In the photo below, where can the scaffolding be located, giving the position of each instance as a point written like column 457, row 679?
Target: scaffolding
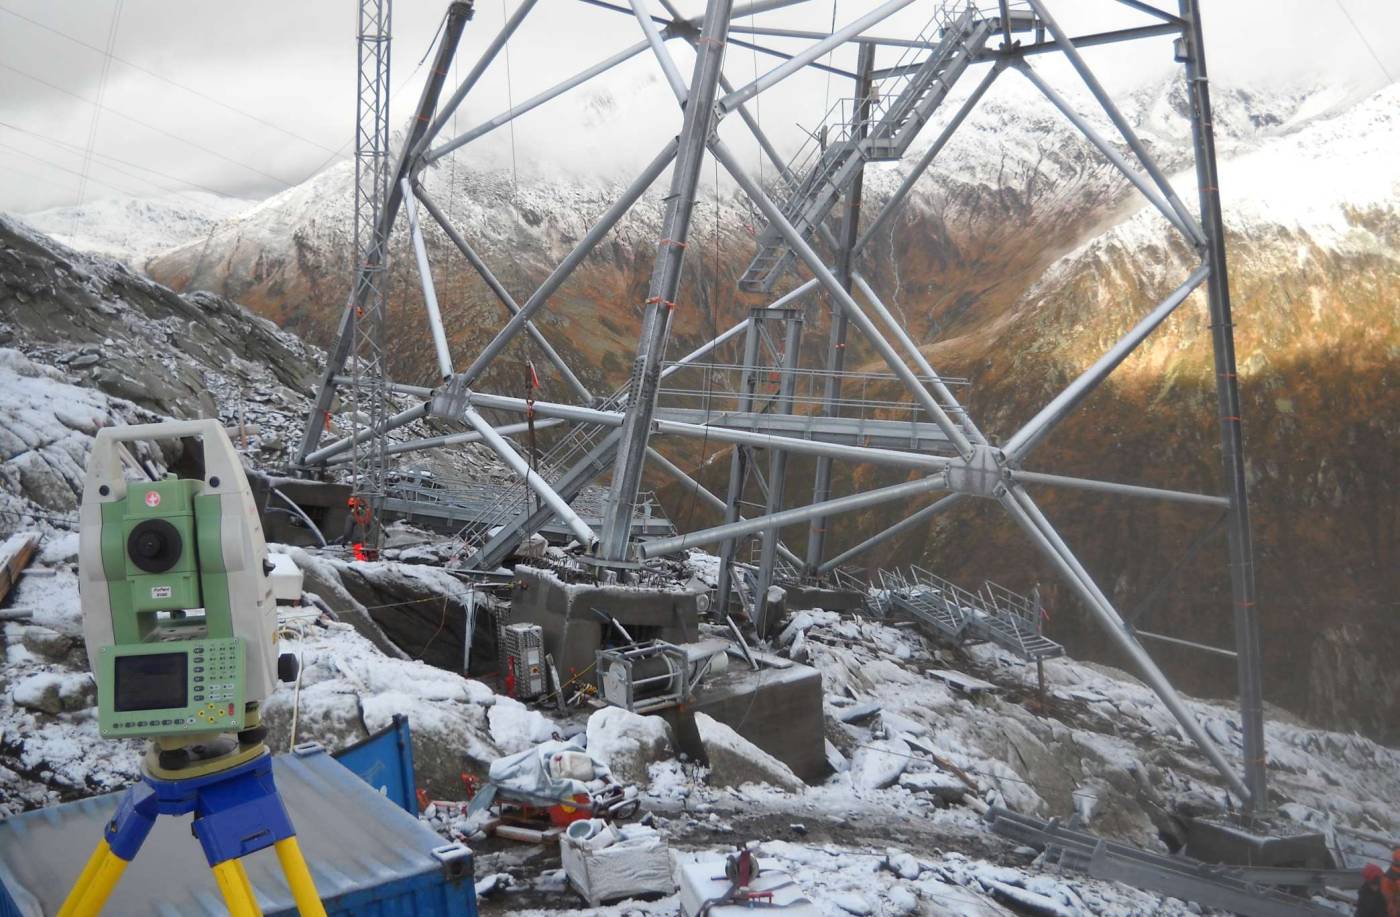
column 812, row 225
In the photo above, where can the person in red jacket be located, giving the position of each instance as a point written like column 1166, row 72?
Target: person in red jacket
column 1390, row 885
column 1370, row 901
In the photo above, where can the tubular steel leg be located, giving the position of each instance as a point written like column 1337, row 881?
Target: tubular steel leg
column 777, row 473
column 457, row 15
column 502, row 294
column 903, row 525
column 1228, row 401
column 1120, row 122
column 308, row 900
column 1112, row 155
column 556, row 279
column 738, row 465
column 1043, row 535
column 665, row 280
column 833, row 287
column 836, row 344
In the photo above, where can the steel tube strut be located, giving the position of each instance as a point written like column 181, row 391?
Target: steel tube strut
column 658, row 47
column 1127, row 490
column 704, row 348
column 836, row 337
column 665, row 280
column 1153, row 11
column 539, row 485
column 663, row 546
column 739, row 459
column 1113, row 156
column 903, row 525
column 891, row 457
column 503, row 295
column 926, row 160
column 506, row 117
column 1228, row 403
column 456, row 439
column 1124, row 128
column 699, row 490
column 916, row 356
column 812, row 52
column 566, row 267
column 487, row 56
column 425, row 277
column 1080, row 41
column 399, row 388
column 400, row 419
column 373, row 255
column 838, row 293
column 1035, row 429
column 1026, row 514
column 777, row 473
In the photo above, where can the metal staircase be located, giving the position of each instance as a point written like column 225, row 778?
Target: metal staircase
column 1013, row 622
column 500, row 527
column 874, row 129
column 996, row 615
column 942, row 605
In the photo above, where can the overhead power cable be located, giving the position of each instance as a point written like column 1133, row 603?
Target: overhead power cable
column 1362, row 35
column 75, row 148
column 165, row 79
column 54, row 165
column 151, row 127
column 97, row 112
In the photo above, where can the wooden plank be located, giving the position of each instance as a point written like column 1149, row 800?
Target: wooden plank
column 15, row 554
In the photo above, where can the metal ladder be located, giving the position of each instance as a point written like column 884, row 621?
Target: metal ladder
column 837, row 152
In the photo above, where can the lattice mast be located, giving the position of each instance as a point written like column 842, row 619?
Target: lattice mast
column 369, row 392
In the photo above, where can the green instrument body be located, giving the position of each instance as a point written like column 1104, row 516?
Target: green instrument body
column 176, row 666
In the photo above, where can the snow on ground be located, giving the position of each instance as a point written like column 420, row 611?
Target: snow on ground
column 897, row 830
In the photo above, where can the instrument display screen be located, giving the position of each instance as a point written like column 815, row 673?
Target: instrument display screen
column 157, row 681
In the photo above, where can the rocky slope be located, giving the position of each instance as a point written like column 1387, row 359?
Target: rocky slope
column 1310, row 193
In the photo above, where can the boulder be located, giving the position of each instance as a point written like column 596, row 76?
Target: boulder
column 47, row 644
column 735, row 760
column 879, row 764
column 628, row 743
column 54, row 693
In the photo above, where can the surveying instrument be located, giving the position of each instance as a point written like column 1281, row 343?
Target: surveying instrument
column 181, row 630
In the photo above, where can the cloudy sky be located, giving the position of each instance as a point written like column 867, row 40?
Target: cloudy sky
column 248, row 98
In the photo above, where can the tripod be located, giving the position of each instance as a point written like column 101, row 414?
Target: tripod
column 236, row 812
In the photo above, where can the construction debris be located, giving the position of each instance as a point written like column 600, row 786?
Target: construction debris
column 605, row 863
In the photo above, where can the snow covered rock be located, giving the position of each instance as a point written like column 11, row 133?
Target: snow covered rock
column 628, row 743
column 879, row 764
column 904, row 865
column 55, row 693
column 936, row 783
column 853, row 903
column 734, row 760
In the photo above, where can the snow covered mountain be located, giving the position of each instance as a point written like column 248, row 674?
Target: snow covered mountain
column 131, row 230
column 1309, row 183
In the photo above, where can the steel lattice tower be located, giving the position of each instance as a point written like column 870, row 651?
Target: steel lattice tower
column 368, row 392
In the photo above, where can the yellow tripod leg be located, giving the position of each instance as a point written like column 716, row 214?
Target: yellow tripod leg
column 237, row 891
column 104, row 868
column 80, row 885
column 304, row 892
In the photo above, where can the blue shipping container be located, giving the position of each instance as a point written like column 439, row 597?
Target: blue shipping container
column 367, row 855
column 385, row 762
